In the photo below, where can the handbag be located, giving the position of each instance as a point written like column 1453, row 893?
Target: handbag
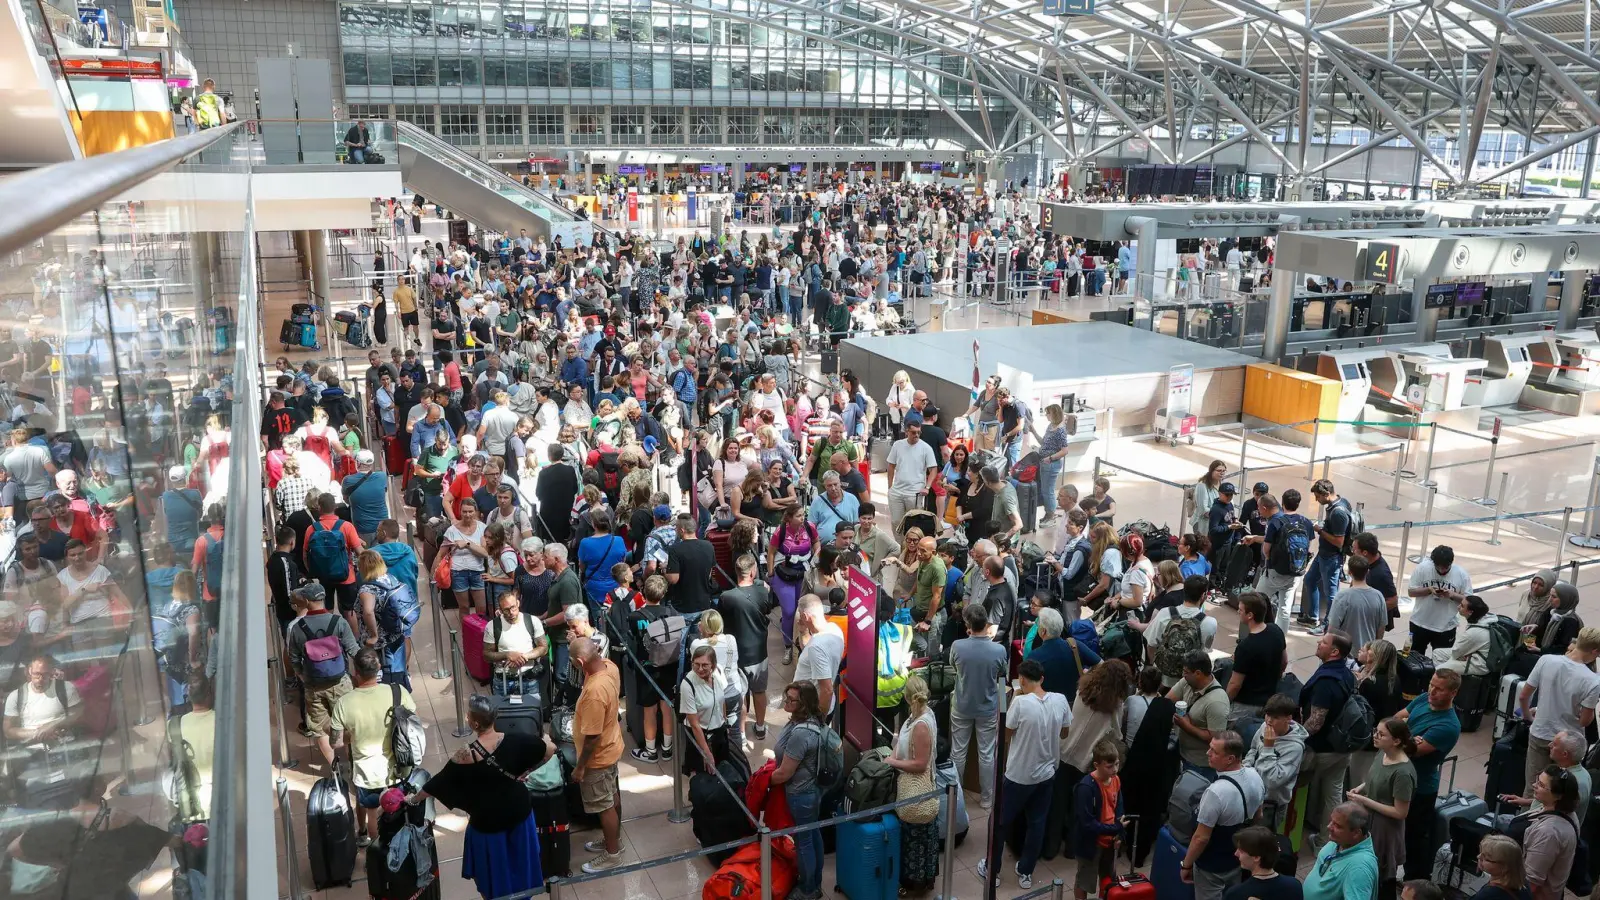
column 908, row 786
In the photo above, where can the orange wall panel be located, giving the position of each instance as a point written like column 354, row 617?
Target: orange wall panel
column 108, row 131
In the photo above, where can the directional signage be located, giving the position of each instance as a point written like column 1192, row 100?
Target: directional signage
column 1383, row 263
column 1069, row 7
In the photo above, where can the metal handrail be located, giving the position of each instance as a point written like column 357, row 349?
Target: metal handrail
column 41, row 200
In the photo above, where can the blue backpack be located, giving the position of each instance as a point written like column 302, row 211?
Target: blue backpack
column 397, row 610
column 327, row 557
column 1291, row 552
column 1084, row 632
column 214, row 564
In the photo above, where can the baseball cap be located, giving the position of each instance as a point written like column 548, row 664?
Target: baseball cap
column 177, row 473
column 1261, row 487
column 662, row 511
column 1227, row 488
column 315, row 593
column 365, row 458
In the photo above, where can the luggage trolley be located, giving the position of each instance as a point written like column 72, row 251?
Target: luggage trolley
column 1174, row 420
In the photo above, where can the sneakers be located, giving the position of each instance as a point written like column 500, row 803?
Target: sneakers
column 646, row 755
column 1318, row 631
column 761, row 732
column 788, row 656
column 983, row 873
column 599, row 846
column 1024, row 881
column 363, row 842
column 666, row 754
column 602, row 863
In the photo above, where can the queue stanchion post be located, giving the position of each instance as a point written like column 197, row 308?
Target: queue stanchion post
column 1494, row 531
column 1244, row 448
column 766, row 863
column 1405, row 546
column 1572, row 573
column 679, row 813
column 1327, row 464
column 947, row 868
column 275, row 673
column 1427, row 519
column 439, row 672
column 291, row 852
column 1566, row 531
column 1058, row 888
column 458, row 674
column 1427, row 459
column 1589, row 540
column 1489, row 499
column 1399, row 469
column 1311, row 460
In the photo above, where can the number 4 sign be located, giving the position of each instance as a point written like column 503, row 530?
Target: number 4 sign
column 1383, row 263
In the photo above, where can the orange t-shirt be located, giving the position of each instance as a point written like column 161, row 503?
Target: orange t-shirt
column 596, row 715
column 1108, row 807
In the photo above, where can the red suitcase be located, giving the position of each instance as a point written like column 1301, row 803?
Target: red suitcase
column 472, row 628
column 1131, row 886
column 94, row 689
column 722, row 551
column 396, row 456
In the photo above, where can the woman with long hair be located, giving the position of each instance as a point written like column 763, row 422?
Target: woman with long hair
column 1096, row 713
column 799, row 752
column 1052, row 459
column 1136, row 571
column 952, row 481
column 484, row 780
column 1192, row 551
column 728, row 473
column 793, row 546
column 1378, row 678
column 745, row 538
column 1105, row 565
column 1500, row 858
column 1387, row 792
column 975, row 505
column 752, row 493
column 913, row 757
column 500, row 566
column 1204, row 493
column 712, row 635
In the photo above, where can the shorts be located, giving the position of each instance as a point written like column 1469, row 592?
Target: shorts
column 410, row 319
column 466, row 581
column 320, row 702
column 367, row 798
column 599, row 789
column 663, row 678
column 756, row 677
column 344, row 595
column 1090, row 875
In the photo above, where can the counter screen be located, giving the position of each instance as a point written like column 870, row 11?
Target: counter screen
column 1470, row 293
column 1351, row 372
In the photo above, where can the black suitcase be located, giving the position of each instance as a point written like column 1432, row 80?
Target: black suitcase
column 1416, row 670
column 301, row 309
column 717, row 817
column 58, row 777
column 330, row 834
column 1507, row 764
column 383, row 884
column 1028, row 505
column 1475, row 696
column 550, row 811
column 289, row 334
column 519, row 715
column 830, row 362
column 575, row 811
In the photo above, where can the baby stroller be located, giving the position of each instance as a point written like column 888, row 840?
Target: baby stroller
column 921, row 519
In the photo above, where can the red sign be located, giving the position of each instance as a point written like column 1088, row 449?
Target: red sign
column 861, row 655
column 113, row 68
column 633, row 204
column 542, row 161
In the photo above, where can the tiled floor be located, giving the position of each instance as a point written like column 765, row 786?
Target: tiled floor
column 1538, row 482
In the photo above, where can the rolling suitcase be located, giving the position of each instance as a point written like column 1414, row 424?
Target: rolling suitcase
column 472, row 628
column 550, row 813
column 576, row 814
column 1507, row 763
column 519, row 715
column 1028, row 505
column 94, row 689
column 1164, row 866
column 308, row 336
column 289, row 334
column 1453, row 804
column 1505, row 704
column 1131, row 886
column 1416, row 670
column 868, row 866
column 402, row 883
column 58, row 778
column 330, row 834
column 717, row 816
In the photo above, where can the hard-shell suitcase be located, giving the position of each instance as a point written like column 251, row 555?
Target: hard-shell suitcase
column 58, row 777
column 1165, row 863
column 868, row 866
column 302, row 309
column 519, row 714
column 472, row 628
column 402, row 884
column 330, row 833
column 308, row 336
column 550, row 813
column 1505, row 704
column 1028, row 505
column 1416, row 670
column 1453, row 804
column 289, row 334
column 1507, row 763
column 944, row 775
column 94, row 689
column 1131, row 886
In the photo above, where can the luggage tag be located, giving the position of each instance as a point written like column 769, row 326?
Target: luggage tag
column 514, row 699
column 56, row 777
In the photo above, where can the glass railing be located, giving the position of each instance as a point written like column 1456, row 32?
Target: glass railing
column 288, row 142
column 132, row 641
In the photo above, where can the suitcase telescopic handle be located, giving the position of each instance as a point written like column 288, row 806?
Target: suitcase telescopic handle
column 1133, row 845
column 1455, row 763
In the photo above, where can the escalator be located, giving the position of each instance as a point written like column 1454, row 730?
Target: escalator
column 482, row 194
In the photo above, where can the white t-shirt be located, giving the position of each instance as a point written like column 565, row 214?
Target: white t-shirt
column 911, row 462
column 1038, row 719
column 821, row 658
column 515, row 638
column 1220, row 805
column 727, row 650
column 703, row 701
column 39, row 709
column 1564, row 687
column 1438, row 613
column 466, row 560
column 1138, row 575
column 99, row 605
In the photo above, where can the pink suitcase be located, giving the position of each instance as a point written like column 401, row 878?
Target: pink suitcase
column 472, row 628
column 94, row 688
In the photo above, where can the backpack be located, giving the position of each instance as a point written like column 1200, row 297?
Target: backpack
column 527, row 622
column 407, row 735
column 1181, row 636
column 872, row 783
column 1504, row 638
column 610, row 466
column 1357, row 525
column 1084, row 632
column 324, row 652
column 214, row 563
column 1291, row 552
column 397, row 610
column 830, row 758
column 327, row 557
column 1351, row 728
column 662, row 638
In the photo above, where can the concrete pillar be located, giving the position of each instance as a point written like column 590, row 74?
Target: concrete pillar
column 203, row 269
column 1145, row 260
column 1427, row 319
column 880, row 172
column 1571, row 299
column 1275, row 342
column 317, row 264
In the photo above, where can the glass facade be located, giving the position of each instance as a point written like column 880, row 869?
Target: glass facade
column 636, row 73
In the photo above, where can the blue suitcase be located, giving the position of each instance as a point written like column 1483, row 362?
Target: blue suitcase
column 1164, row 866
column 868, row 859
column 308, row 337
